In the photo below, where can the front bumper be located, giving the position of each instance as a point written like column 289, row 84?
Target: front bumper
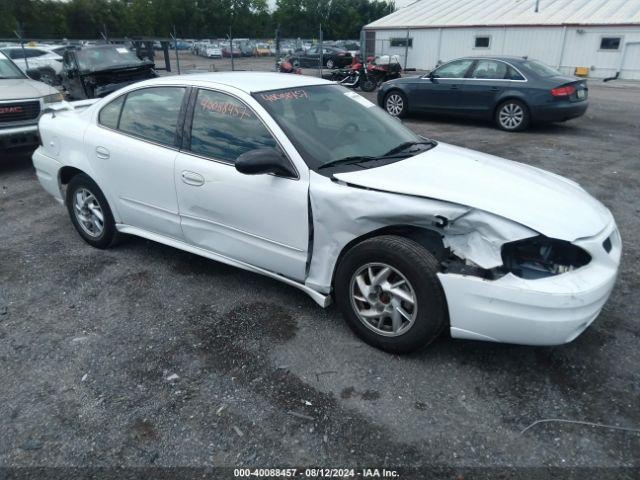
column 24, row 136
column 548, row 311
column 559, row 112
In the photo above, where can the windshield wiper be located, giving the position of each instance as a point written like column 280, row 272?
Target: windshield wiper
column 406, row 145
column 359, row 159
column 347, row 161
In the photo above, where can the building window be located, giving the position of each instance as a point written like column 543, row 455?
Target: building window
column 610, row 43
column 402, row 42
column 483, row 41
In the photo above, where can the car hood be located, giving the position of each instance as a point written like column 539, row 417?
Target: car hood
column 19, row 88
column 547, row 203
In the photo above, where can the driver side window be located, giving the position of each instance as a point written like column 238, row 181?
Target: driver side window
column 223, row 128
column 455, row 69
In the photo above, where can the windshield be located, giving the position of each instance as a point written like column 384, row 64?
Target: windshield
column 8, row 69
column 327, row 123
column 540, row 68
column 103, row 58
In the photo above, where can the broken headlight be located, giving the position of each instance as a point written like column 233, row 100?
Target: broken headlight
column 540, row 257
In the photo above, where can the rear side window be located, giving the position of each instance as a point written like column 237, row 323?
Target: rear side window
column 110, row 114
column 455, row 69
column 224, row 128
column 490, row 70
column 16, row 53
column 152, row 114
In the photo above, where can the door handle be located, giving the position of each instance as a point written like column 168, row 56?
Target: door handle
column 495, row 89
column 102, row 153
column 192, row 178
column 454, row 87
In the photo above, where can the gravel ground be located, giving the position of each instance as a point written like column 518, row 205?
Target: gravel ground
column 143, row 355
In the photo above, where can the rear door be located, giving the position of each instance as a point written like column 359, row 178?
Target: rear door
column 133, row 147
column 479, row 93
column 441, row 90
column 261, row 220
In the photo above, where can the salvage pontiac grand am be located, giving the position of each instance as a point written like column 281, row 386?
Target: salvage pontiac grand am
column 309, row 183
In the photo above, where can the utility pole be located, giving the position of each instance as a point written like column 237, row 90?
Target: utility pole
column 174, row 35
column 277, row 46
column 320, row 38
column 231, row 48
column 537, row 5
column 18, row 33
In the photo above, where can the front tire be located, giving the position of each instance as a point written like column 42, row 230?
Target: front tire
column 90, row 212
column 512, row 116
column 395, row 103
column 368, row 84
column 389, row 293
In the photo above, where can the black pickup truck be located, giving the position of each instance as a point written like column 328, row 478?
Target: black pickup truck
column 96, row 71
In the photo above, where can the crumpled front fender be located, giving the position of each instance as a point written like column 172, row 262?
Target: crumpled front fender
column 341, row 213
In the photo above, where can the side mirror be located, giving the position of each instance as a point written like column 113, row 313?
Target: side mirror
column 264, row 160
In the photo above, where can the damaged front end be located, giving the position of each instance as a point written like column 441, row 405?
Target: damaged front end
column 464, row 240
column 100, row 83
column 502, row 281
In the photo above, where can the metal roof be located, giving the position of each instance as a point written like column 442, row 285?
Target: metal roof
column 467, row 13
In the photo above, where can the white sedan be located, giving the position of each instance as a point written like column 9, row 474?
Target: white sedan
column 309, row 183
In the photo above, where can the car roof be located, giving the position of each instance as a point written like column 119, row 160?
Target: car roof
column 248, row 82
column 506, row 58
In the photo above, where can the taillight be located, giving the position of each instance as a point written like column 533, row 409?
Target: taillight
column 563, row 91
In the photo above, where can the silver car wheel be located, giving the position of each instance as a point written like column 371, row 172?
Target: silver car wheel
column 395, row 104
column 511, row 116
column 88, row 212
column 383, row 299
column 330, row 64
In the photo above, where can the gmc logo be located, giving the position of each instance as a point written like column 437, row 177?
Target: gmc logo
column 4, row 110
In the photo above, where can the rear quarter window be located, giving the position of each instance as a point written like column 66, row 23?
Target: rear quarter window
column 110, row 114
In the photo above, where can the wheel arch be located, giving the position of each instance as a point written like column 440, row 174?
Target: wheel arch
column 67, row 172
column 510, row 96
column 431, row 240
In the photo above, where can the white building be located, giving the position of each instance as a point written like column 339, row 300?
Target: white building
column 601, row 35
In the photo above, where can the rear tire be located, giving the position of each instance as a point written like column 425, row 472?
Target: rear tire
column 512, row 116
column 389, row 293
column 90, row 212
column 330, row 64
column 395, row 103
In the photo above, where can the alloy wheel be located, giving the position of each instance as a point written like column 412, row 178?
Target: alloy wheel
column 511, row 116
column 88, row 212
column 395, row 104
column 329, row 63
column 383, row 299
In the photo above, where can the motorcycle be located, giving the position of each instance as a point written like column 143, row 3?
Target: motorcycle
column 287, row 65
column 355, row 76
column 384, row 67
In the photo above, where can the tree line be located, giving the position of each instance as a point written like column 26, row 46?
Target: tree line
column 341, row 19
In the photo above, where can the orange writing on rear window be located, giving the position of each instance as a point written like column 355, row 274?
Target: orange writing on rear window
column 230, row 109
column 288, row 95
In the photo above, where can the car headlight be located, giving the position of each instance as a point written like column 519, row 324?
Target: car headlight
column 540, row 257
column 54, row 98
